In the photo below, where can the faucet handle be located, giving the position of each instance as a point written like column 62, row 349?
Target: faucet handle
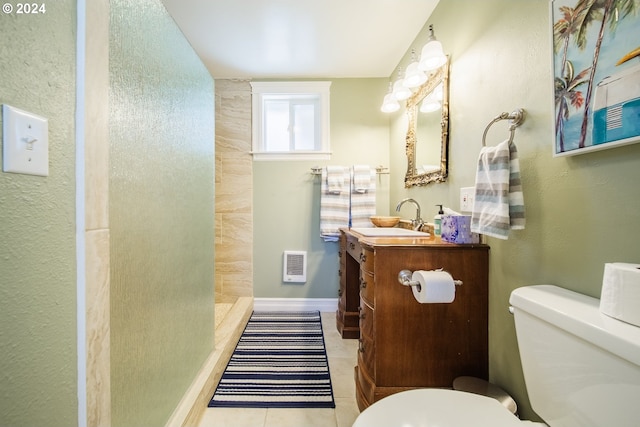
column 417, row 224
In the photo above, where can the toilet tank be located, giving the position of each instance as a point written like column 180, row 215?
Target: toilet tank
column 581, row 367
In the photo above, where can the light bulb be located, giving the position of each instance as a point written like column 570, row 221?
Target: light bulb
column 432, row 55
column 429, row 104
column 389, row 104
column 400, row 91
column 414, row 77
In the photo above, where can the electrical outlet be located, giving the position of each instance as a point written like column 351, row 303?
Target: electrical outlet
column 466, row 198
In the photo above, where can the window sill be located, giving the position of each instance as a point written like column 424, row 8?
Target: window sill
column 270, row 156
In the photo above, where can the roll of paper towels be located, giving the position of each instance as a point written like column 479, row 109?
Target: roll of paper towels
column 435, row 287
column 620, row 297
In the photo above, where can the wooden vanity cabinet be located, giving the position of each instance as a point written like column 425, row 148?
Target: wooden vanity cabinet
column 404, row 344
column 347, row 316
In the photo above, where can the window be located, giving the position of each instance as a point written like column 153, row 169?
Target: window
column 290, row 120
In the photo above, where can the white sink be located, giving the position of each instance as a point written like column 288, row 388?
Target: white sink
column 389, row 232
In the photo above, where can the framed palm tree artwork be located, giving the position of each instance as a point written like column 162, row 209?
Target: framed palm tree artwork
column 596, row 60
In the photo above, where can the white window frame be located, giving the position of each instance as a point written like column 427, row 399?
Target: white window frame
column 294, row 89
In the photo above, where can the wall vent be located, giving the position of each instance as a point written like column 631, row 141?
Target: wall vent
column 295, row 267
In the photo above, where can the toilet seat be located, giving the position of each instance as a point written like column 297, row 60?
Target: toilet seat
column 430, row 407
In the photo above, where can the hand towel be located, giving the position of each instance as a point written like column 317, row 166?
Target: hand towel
column 499, row 202
column 363, row 201
column 334, row 205
column 337, row 181
column 361, row 178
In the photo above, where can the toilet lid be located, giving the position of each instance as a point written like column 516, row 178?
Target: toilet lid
column 429, row 407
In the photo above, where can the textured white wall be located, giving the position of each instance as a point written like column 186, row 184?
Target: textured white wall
column 37, row 243
column 161, row 204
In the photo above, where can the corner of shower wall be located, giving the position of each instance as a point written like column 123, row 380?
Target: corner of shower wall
column 228, row 333
column 234, row 192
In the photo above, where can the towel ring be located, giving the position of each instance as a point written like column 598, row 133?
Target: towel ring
column 516, row 118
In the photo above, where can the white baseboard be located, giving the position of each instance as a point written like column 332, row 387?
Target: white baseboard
column 295, row 304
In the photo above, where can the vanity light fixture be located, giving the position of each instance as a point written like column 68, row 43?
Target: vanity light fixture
column 400, row 91
column 414, row 76
column 390, row 103
column 432, row 58
column 432, row 55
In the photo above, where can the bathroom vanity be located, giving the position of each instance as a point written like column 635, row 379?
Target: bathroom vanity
column 404, row 344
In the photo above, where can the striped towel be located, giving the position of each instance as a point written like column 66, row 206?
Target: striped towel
column 499, row 203
column 334, row 203
column 362, row 178
column 363, row 196
column 337, row 180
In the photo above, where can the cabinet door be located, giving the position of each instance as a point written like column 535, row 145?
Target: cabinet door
column 429, row 345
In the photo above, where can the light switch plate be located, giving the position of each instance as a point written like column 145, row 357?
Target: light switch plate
column 25, row 142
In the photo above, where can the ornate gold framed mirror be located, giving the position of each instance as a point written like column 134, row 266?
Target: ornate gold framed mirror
column 427, row 141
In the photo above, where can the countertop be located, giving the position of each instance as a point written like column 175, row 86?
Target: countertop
column 431, row 240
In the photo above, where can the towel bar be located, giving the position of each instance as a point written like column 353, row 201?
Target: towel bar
column 380, row 170
column 516, row 118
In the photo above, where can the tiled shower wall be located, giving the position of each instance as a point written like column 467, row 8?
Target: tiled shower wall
column 234, row 191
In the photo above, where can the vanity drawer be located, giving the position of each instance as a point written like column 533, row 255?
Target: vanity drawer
column 353, row 247
column 367, row 355
column 366, row 320
column 367, row 259
column 367, row 287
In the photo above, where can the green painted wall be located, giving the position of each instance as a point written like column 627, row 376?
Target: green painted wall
column 161, row 213
column 37, row 227
column 287, row 197
column 582, row 211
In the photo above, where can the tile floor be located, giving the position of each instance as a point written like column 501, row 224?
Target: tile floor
column 342, row 358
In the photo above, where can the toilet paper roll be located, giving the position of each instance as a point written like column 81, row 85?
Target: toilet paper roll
column 620, row 296
column 435, row 287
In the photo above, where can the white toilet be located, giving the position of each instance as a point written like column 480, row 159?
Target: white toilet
column 581, row 369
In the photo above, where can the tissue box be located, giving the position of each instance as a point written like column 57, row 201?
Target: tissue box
column 620, row 297
column 457, row 229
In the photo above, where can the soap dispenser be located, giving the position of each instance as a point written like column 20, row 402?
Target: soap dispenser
column 437, row 221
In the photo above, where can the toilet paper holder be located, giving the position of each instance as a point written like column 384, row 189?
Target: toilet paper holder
column 404, row 277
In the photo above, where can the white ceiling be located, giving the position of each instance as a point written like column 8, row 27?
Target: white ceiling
column 300, row 38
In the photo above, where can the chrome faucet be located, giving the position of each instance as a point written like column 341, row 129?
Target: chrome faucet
column 416, row 223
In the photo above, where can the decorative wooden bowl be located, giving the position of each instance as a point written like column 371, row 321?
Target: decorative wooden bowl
column 385, row 221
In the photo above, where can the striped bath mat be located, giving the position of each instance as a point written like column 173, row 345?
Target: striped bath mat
column 279, row 362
